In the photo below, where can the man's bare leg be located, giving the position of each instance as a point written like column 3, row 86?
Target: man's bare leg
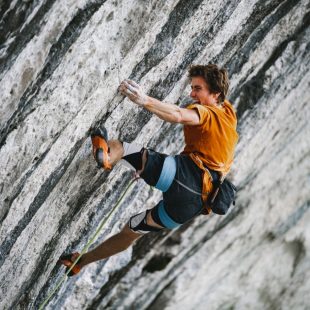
column 122, row 240
column 115, row 244
column 117, row 152
column 111, row 246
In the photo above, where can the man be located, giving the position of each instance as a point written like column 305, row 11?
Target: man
column 185, row 179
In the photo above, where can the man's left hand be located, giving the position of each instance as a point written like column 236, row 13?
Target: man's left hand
column 133, row 91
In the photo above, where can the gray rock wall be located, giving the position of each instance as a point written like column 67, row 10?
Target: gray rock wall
column 60, row 65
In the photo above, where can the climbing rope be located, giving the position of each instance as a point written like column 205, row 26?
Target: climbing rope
column 89, row 243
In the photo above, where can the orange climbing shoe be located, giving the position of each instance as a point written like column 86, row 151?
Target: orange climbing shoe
column 99, row 138
column 68, row 261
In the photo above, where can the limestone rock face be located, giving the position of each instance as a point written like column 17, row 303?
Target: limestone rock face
column 60, row 65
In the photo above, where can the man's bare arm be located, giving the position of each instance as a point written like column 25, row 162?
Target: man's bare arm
column 166, row 111
column 171, row 113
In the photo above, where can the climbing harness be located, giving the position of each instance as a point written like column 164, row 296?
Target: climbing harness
column 89, row 243
column 165, row 218
column 167, row 174
column 188, row 188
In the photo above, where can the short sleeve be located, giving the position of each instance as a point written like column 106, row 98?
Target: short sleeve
column 203, row 112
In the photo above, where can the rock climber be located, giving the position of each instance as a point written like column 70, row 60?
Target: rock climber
column 186, row 179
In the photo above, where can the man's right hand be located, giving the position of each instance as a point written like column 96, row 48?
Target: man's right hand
column 133, row 91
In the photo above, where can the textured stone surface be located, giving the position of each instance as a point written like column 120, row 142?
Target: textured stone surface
column 60, row 65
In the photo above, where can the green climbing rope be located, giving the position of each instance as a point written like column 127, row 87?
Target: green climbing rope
column 89, row 243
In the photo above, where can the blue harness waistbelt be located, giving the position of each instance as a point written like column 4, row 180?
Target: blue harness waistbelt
column 167, row 174
column 164, row 217
column 164, row 182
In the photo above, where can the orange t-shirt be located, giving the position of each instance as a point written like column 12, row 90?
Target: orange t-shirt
column 215, row 138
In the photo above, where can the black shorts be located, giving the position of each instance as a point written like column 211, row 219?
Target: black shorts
column 179, row 204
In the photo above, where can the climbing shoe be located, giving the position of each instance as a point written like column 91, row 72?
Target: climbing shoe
column 99, row 138
column 68, row 261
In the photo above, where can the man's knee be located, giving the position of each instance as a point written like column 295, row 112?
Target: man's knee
column 133, row 155
column 143, row 223
column 150, row 221
column 128, row 233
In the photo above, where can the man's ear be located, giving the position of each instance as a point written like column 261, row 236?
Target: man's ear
column 216, row 96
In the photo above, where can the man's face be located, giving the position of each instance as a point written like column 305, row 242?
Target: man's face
column 200, row 92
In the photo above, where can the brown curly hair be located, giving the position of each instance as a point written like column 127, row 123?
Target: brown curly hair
column 215, row 77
